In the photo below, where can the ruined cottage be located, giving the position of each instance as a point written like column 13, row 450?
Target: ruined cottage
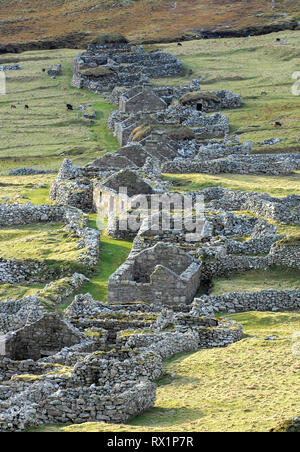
column 163, row 275
column 111, row 61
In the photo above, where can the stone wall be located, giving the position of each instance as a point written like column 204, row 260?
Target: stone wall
column 283, row 210
column 273, row 165
column 20, row 214
column 103, row 67
column 144, row 278
column 265, row 300
column 46, row 335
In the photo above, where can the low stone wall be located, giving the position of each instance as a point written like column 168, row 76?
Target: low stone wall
column 15, row 271
column 75, row 193
column 29, row 172
column 274, row 165
column 111, row 368
column 284, row 210
column 164, row 344
column 224, row 334
column 76, row 222
column 265, row 300
column 19, row 214
column 48, row 403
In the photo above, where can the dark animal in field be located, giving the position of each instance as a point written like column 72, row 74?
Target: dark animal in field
column 179, row 44
column 190, row 72
column 277, row 124
column 13, row 106
column 26, row 107
column 278, row 39
column 69, row 107
column 44, row 70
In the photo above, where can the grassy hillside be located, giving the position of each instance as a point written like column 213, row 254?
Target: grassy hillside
column 46, row 133
column 33, row 20
column 250, row 67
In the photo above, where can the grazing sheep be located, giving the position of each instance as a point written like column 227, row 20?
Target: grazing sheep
column 69, row 107
column 277, row 124
column 179, row 44
column 13, row 106
column 26, row 107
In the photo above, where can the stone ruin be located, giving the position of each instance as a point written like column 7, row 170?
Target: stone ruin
column 44, row 337
column 111, row 357
column 110, row 62
column 164, row 274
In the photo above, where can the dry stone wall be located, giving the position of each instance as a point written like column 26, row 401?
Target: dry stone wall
column 265, row 300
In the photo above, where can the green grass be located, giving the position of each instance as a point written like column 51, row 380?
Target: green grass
column 40, row 241
column 249, row 386
column 112, row 254
column 38, row 137
column 47, row 243
column 255, row 280
column 278, row 186
column 249, row 66
column 22, row 189
column 290, row 240
column 17, row 292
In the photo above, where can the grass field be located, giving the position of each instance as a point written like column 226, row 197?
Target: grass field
column 112, row 254
column 278, row 186
column 22, row 189
column 47, row 243
column 44, row 135
column 248, row 67
column 256, row 280
column 249, row 386
column 38, row 241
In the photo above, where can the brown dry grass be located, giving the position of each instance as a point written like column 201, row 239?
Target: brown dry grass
column 139, row 20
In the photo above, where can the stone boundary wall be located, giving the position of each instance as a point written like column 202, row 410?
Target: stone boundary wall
column 284, row 210
column 222, row 265
column 46, row 402
column 103, row 369
column 282, row 164
column 265, row 300
column 165, row 344
column 21, row 214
